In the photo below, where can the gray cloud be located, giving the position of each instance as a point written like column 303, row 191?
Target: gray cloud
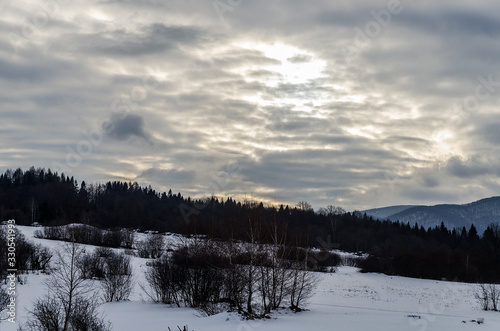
column 491, row 133
column 125, row 126
column 300, row 58
column 153, row 39
column 468, row 168
column 430, row 182
column 307, row 121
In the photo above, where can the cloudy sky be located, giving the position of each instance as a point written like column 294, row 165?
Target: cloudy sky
column 358, row 104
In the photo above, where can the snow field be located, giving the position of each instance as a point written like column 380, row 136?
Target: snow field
column 345, row 300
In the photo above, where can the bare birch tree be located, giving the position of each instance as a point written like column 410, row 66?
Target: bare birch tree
column 67, row 306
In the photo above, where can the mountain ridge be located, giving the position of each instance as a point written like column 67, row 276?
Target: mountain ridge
column 481, row 213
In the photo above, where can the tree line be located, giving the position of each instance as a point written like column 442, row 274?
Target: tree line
column 49, row 198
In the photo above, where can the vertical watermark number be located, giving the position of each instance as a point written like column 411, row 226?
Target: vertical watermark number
column 11, row 271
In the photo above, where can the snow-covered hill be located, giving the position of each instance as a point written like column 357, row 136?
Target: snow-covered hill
column 345, row 300
column 480, row 213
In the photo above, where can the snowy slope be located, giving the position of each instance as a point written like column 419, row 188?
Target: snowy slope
column 346, row 300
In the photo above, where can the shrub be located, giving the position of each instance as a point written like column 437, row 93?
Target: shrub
column 371, row 264
column 488, row 296
column 117, row 282
column 85, row 234
column 151, row 247
column 162, row 282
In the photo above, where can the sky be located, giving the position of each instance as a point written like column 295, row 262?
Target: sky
column 357, row 104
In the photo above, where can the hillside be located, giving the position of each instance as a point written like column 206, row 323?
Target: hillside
column 385, row 212
column 480, row 213
column 344, row 300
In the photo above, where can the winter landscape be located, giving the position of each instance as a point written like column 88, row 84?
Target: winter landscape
column 245, row 165
column 344, row 300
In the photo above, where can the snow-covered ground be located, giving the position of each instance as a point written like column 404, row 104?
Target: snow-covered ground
column 345, row 300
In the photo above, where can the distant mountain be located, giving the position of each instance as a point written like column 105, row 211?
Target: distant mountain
column 385, row 212
column 480, row 213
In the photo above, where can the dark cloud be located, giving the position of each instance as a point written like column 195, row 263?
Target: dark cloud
column 430, row 181
column 125, row 126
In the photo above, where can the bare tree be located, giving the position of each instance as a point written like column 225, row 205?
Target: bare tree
column 67, row 306
column 33, row 209
column 250, row 275
column 234, row 272
column 494, row 294
column 302, row 283
column 274, row 273
column 483, row 297
column 333, row 213
column 488, row 296
column 67, row 282
column 304, row 205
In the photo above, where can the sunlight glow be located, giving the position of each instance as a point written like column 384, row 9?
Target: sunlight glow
column 97, row 15
column 369, row 132
column 297, row 66
column 299, row 75
column 443, row 144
